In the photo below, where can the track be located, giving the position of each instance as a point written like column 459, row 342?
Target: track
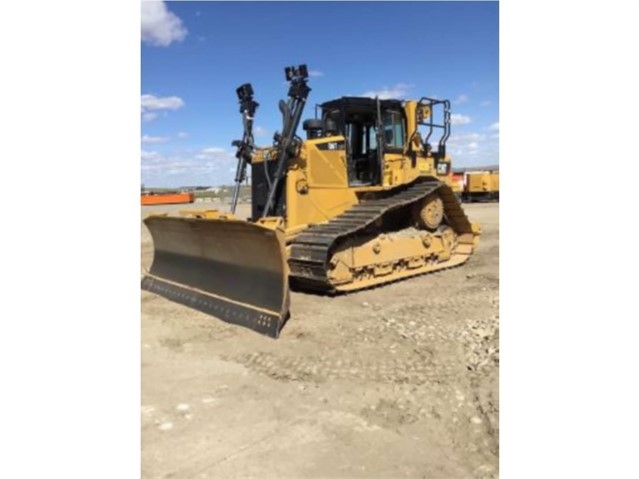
column 312, row 250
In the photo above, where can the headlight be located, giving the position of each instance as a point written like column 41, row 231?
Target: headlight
column 442, row 168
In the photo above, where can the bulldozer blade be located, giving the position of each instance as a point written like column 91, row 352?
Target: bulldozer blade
column 234, row 270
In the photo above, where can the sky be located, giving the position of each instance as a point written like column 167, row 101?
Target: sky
column 195, row 54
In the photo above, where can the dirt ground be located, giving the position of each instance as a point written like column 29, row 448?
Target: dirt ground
column 400, row 381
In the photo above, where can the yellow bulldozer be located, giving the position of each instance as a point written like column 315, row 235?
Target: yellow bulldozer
column 363, row 200
column 481, row 186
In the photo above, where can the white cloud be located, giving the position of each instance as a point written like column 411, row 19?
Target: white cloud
column 459, row 119
column 182, row 134
column 149, row 116
column 215, row 150
column 485, row 103
column 160, row 27
column 216, row 154
column 466, row 137
column 473, row 149
column 315, row 73
column 461, row 99
column 154, row 139
column 398, row 91
column 149, row 155
column 261, row 132
column 494, row 126
column 152, row 102
column 209, row 166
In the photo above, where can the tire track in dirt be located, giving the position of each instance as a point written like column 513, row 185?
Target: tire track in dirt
column 417, row 361
column 319, row 369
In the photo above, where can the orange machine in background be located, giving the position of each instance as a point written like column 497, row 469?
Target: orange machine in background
column 458, row 183
column 167, row 198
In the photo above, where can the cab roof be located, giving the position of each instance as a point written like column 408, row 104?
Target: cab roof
column 358, row 103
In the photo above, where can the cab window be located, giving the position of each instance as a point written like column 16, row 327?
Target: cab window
column 393, row 124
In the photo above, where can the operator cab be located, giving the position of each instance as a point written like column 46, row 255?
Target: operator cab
column 356, row 119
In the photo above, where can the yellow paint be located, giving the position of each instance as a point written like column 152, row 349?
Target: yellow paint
column 482, row 182
column 207, row 214
column 317, row 186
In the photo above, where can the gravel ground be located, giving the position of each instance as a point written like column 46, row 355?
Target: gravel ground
column 399, row 381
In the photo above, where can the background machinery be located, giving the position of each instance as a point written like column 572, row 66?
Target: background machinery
column 152, row 198
column 477, row 183
column 481, row 186
column 363, row 200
